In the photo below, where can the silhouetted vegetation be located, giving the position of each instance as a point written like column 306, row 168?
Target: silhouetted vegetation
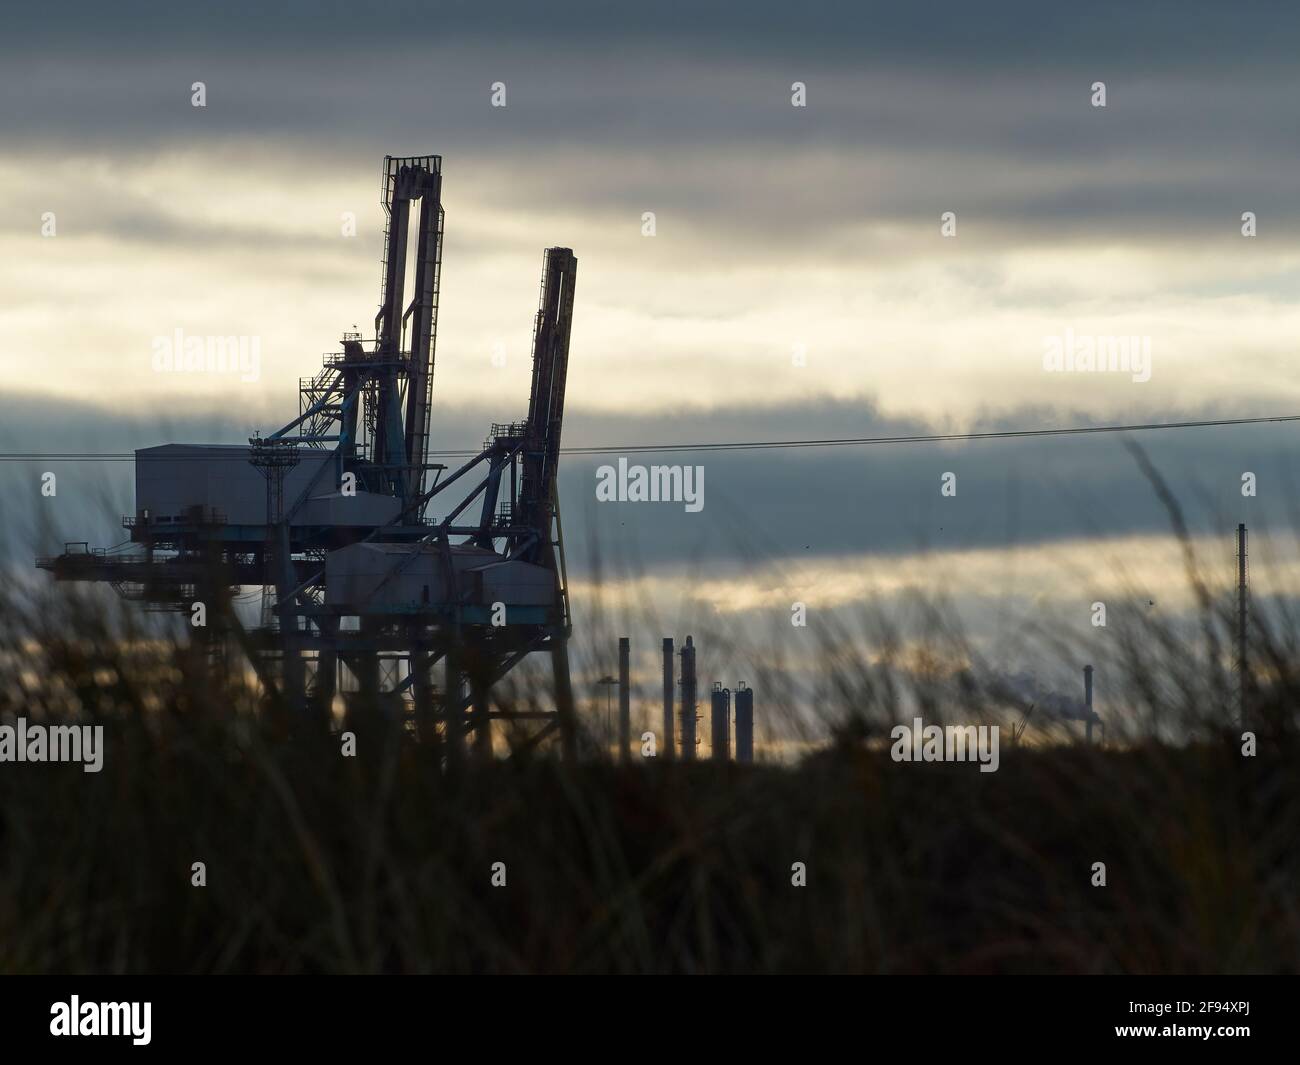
column 383, row 862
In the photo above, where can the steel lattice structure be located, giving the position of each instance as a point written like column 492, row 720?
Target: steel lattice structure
column 392, row 584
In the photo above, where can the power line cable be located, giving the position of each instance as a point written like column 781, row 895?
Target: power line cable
column 238, row 452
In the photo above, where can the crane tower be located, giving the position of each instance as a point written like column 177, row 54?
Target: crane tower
column 379, row 565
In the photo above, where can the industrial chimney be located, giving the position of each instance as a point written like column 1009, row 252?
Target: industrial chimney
column 688, row 708
column 624, row 700
column 720, row 721
column 668, row 698
column 744, row 723
column 1087, row 698
column 1243, row 674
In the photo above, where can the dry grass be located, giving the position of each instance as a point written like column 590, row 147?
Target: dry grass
column 382, row 863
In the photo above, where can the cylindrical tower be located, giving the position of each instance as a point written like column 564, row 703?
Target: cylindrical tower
column 689, row 700
column 744, row 723
column 1087, row 698
column 1243, row 674
column 624, row 700
column 720, row 733
column 668, row 698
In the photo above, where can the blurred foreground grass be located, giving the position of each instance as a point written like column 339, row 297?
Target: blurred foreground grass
column 383, row 862
column 317, row 863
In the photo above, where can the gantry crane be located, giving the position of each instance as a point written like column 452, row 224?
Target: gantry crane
column 333, row 512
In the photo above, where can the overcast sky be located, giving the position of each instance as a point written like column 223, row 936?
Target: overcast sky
column 780, row 231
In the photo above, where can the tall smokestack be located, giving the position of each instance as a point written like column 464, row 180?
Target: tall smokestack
column 744, row 723
column 668, row 698
column 624, row 700
column 1242, row 669
column 688, row 700
column 720, row 722
column 1087, row 698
